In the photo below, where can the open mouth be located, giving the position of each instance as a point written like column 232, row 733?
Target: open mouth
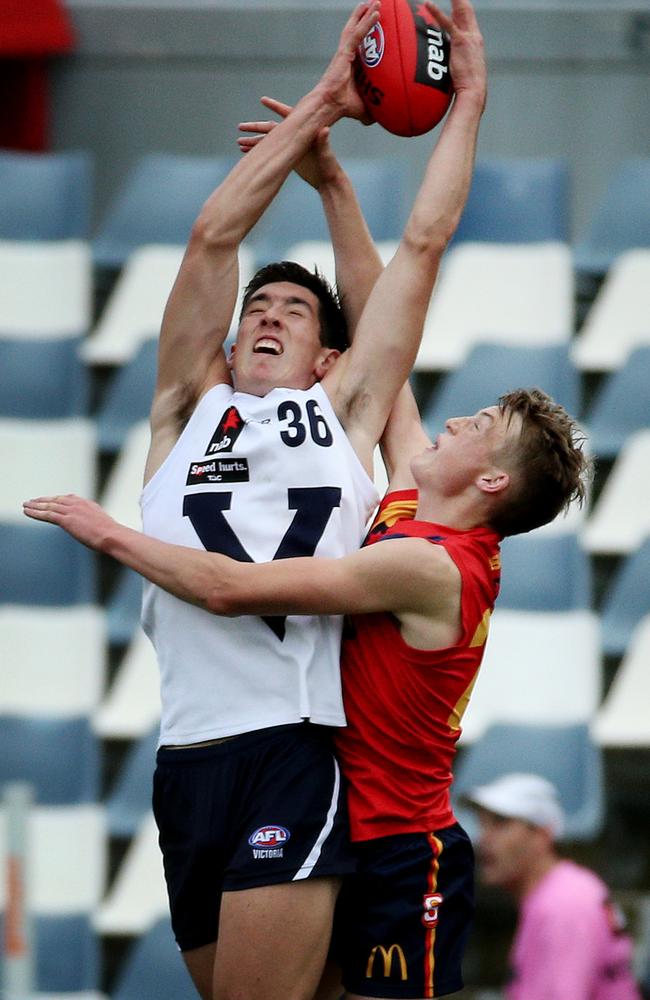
column 268, row 345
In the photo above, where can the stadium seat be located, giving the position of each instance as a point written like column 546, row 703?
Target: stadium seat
column 541, row 572
column 42, row 565
column 68, row 859
column 67, row 867
column 157, row 202
column 296, row 214
column 319, row 254
column 134, row 310
column 54, row 659
column 515, row 294
column 621, row 407
column 617, row 321
column 621, row 219
column 623, row 719
column 45, row 457
column 620, row 519
column 128, row 398
column 123, row 607
column 530, row 656
column 123, row 487
column 626, row 601
column 138, row 895
column 132, row 704
column 59, row 757
column 517, row 200
column 564, row 754
column 491, row 369
column 42, row 378
column 61, row 273
column 68, row 958
column 129, row 801
column 154, row 968
column 45, row 196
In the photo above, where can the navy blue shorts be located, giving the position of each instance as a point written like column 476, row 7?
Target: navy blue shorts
column 402, row 921
column 257, row 809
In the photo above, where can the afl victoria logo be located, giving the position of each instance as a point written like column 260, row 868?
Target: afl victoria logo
column 371, row 49
column 269, row 836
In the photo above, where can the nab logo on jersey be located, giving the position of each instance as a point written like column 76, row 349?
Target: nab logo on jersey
column 228, row 430
column 269, row 836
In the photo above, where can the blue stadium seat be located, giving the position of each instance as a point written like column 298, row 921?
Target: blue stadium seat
column 542, row 572
column 45, row 196
column 40, row 564
column 130, row 797
column 154, row 968
column 492, row 369
column 60, row 757
column 621, row 220
column 565, row 755
column 626, row 601
column 296, row 214
column 43, row 378
column 516, row 200
column 67, row 954
column 157, row 202
column 128, row 398
column 621, row 407
column 123, row 607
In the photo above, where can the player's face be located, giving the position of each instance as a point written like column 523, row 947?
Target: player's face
column 465, row 450
column 278, row 342
column 505, row 850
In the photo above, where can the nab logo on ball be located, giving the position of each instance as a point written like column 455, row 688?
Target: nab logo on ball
column 268, row 841
column 372, row 47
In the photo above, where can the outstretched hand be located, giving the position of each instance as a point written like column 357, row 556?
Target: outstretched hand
column 83, row 519
column 318, row 166
column 467, row 58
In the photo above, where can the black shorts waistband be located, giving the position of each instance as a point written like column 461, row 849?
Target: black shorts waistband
column 240, row 742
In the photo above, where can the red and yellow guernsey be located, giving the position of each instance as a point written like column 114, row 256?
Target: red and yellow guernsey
column 403, row 705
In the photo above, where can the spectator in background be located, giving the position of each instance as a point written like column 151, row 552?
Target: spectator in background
column 570, row 942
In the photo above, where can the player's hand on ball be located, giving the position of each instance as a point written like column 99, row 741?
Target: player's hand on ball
column 337, row 83
column 467, row 61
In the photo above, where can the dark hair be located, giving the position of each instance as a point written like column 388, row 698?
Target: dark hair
column 333, row 328
column 549, row 457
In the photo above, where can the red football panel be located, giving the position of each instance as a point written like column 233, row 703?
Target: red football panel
column 407, row 41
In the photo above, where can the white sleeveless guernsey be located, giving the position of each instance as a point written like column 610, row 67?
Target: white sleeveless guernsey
column 255, row 478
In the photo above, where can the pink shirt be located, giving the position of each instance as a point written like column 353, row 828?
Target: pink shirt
column 570, row 943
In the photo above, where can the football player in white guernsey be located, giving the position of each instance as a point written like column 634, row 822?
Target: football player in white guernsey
column 277, row 466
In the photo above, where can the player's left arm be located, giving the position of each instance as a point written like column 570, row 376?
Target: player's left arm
column 366, row 379
column 406, row 576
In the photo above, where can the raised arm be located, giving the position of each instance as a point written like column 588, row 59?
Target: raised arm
column 364, row 383
column 200, row 308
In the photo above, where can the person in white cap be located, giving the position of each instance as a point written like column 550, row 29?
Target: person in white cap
column 570, row 942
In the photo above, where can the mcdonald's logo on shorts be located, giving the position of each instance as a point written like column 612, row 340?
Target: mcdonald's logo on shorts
column 387, row 955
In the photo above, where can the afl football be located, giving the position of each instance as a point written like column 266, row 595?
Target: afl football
column 402, row 69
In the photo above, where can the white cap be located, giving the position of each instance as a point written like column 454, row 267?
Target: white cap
column 528, row 797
